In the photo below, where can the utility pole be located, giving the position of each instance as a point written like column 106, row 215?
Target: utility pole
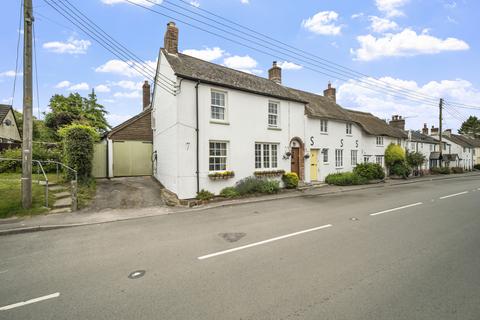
column 27, row 106
column 440, row 129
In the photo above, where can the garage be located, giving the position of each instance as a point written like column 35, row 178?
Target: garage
column 132, row 158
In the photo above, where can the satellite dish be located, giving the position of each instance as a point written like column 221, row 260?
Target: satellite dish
column 8, row 122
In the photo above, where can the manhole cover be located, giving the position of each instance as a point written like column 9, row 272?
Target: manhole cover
column 136, row 274
column 232, row 236
column 354, row 219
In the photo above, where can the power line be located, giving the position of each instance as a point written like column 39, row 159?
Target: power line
column 77, row 22
column 18, row 49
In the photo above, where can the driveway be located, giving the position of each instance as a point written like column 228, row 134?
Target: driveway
column 126, row 193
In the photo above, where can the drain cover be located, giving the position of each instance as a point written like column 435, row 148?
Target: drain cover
column 232, row 236
column 354, row 219
column 136, row 274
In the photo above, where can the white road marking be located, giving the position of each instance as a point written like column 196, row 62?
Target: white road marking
column 453, row 195
column 395, row 209
column 23, row 303
column 3, row 271
column 263, row 242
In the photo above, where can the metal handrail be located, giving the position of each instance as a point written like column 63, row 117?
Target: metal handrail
column 43, row 172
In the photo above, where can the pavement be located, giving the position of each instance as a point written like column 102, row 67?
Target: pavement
column 405, row 252
column 139, row 197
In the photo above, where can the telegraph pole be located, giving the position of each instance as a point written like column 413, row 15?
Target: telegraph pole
column 440, row 129
column 27, row 106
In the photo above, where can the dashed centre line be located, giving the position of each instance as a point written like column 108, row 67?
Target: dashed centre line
column 263, row 242
column 453, row 195
column 23, row 303
column 396, row 209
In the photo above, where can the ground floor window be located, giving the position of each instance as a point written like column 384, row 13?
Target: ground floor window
column 325, row 155
column 379, row 160
column 338, row 158
column 366, row 159
column 266, row 155
column 218, row 156
column 354, row 155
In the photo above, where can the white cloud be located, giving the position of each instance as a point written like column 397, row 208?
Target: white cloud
column 7, row 100
column 122, row 68
column 245, row 1
column 116, row 119
column 63, row 84
column 405, row 43
column 127, row 84
column 450, row 5
column 71, row 46
column 357, row 15
column 129, row 95
column 242, row 63
column 102, row 88
column 82, row 86
column 383, row 105
column 10, row 73
column 207, row 54
column 391, row 8
column 286, row 65
column 195, row 3
column 140, row 2
column 382, row 24
column 108, row 100
column 323, row 23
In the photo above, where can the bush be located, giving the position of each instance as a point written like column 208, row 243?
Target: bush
column 41, row 152
column 290, row 180
column 440, row 170
column 370, row 171
column 269, row 186
column 477, row 166
column 78, row 143
column 415, row 159
column 229, row 192
column 251, row 185
column 345, row 179
column 204, row 195
column 394, row 154
column 457, row 170
column 401, row 169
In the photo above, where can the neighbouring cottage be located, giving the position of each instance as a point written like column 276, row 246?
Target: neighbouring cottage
column 213, row 126
column 9, row 131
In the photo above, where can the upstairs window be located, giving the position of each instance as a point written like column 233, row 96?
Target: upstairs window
column 218, row 106
column 273, row 114
column 379, row 141
column 218, row 156
column 349, row 128
column 324, row 126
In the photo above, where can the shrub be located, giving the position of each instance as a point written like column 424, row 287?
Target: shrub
column 78, row 143
column 41, row 152
column 269, row 186
column 401, row 169
column 477, row 166
column 440, row 170
column 229, row 192
column 290, row 180
column 394, row 154
column 345, row 179
column 370, row 171
column 415, row 159
column 204, row 195
column 457, row 170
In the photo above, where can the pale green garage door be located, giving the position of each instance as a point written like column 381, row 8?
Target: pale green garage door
column 132, row 158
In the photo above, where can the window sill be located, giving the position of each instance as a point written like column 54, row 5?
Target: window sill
column 324, row 133
column 219, row 122
column 326, row 163
column 274, row 128
column 349, row 135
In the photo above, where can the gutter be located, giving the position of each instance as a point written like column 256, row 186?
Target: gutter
column 197, row 137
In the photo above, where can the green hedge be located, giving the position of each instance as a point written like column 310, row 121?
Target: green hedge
column 370, row 171
column 204, row 195
column 41, row 152
column 440, row 170
column 252, row 185
column 400, row 169
column 345, row 179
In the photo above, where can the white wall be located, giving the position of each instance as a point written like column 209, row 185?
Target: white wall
column 465, row 154
column 423, row 148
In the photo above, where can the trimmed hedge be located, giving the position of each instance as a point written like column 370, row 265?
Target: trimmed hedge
column 290, row 180
column 40, row 152
column 345, row 179
column 370, row 171
column 440, row 170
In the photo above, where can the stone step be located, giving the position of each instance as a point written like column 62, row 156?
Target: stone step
column 50, row 183
column 63, row 194
column 62, row 203
column 60, row 210
column 56, row 188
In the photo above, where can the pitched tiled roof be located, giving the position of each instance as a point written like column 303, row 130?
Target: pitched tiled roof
column 472, row 142
column 189, row 67
column 375, row 126
column 417, row 136
column 128, row 122
column 4, row 111
column 457, row 139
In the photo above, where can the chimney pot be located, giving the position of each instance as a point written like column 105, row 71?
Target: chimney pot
column 170, row 41
column 275, row 73
column 330, row 92
column 146, row 95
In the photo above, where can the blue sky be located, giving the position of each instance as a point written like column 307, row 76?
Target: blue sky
column 427, row 46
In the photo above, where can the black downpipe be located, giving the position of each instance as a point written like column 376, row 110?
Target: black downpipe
column 197, row 136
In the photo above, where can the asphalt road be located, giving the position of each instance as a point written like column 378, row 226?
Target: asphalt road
column 404, row 252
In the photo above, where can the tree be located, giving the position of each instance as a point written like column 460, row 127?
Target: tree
column 415, row 160
column 394, row 154
column 471, row 127
column 40, row 131
column 76, row 109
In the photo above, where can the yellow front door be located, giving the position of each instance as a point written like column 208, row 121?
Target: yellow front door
column 314, row 164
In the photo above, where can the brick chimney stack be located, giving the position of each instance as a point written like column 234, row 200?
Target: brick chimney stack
column 146, row 95
column 448, row 132
column 425, row 129
column 433, row 131
column 170, row 42
column 330, row 93
column 275, row 73
column 398, row 122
